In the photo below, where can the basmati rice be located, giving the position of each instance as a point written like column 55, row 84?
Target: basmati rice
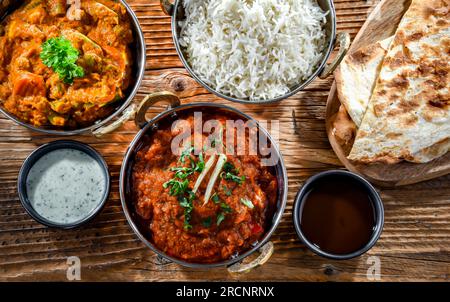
column 253, row 49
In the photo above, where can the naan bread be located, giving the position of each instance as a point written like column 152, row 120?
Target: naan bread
column 344, row 129
column 428, row 154
column 409, row 110
column 357, row 75
column 366, row 63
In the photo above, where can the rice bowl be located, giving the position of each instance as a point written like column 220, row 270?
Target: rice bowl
column 256, row 50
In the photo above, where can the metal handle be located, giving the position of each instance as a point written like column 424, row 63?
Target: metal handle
column 152, row 99
column 160, row 260
column 166, row 7
column 137, row 112
column 265, row 251
column 343, row 39
column 127, row 115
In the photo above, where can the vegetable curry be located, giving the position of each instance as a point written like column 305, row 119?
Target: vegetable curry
column 63, row 65
column 199, row 206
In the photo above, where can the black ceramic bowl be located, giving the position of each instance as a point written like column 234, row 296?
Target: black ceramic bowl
column 373, row 196
column 35, row 156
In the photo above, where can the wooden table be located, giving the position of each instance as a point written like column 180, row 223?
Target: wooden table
column 415, row 244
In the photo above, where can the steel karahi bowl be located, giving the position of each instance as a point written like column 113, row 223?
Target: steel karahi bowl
column 322, row 70
column 235, row 264
column 138, row 53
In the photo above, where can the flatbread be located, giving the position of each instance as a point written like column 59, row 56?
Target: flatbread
column 357, row 75
column 428, row 154
column 344, row 129
column 355, row 94
column 409, row 110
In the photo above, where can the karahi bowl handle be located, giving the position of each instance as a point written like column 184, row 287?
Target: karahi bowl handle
column 344, row 41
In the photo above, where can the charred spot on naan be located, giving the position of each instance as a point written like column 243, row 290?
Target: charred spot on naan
column 433, row 84
column 400, row 82
column 364, row 55
column 436, row 8
column 440, row 103
column 442, row 22
column 410, row 120
column 382, row 92
column 406, row 106
column 400, row 59
column 415, row 36
column 393, row 135
column 384, row 158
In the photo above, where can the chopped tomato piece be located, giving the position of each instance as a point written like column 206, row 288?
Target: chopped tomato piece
column 27, row 83
column 256, row 229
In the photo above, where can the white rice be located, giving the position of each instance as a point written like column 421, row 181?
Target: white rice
column 253, row 49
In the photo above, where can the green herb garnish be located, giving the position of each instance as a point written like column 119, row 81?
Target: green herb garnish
column 229, row 167
column 225, row 208
column 230, row 173
column 180, row 188
column 226, row 190
column 247, row 203
column 182, row 172
column 186, row 153
column 207, row 222
column 176, row 187
column 59, row 54
column 195, row 166
column 200, row 165
column 187, row 204
column 215, row 198
column 232, row 177
column 179, row 184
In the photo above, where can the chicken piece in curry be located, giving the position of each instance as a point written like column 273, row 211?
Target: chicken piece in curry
column 64, row 65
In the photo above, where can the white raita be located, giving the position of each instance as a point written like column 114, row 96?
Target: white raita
column 253, row 49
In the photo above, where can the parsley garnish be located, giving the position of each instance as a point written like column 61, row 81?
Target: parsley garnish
column 176, row 187
column 220, row 218
column 230, row 173
column 215, row 198
column 200, row 165
column 179, row 184
column 226, row 190
column 182, row 172
column 207, row 222
column 225, row 208
column 228, row 167
column 186, row 153
column 195, row 166
column 232, row 177
column 247, row 203
column 59, row 54
column 187, row 204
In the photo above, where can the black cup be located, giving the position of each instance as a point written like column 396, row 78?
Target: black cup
column 374, row 198
column 35, row 156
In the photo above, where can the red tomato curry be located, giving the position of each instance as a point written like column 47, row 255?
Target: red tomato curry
column 177, row 220
column 99, row 31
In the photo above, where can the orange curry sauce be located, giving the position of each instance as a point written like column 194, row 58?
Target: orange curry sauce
column 34, row 92
column 209, row 239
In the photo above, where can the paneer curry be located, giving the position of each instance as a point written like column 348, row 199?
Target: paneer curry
column 64, row 65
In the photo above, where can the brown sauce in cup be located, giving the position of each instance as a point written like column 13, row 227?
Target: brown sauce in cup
column 338, row 215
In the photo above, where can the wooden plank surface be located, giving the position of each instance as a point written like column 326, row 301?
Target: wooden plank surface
column 415, row 244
